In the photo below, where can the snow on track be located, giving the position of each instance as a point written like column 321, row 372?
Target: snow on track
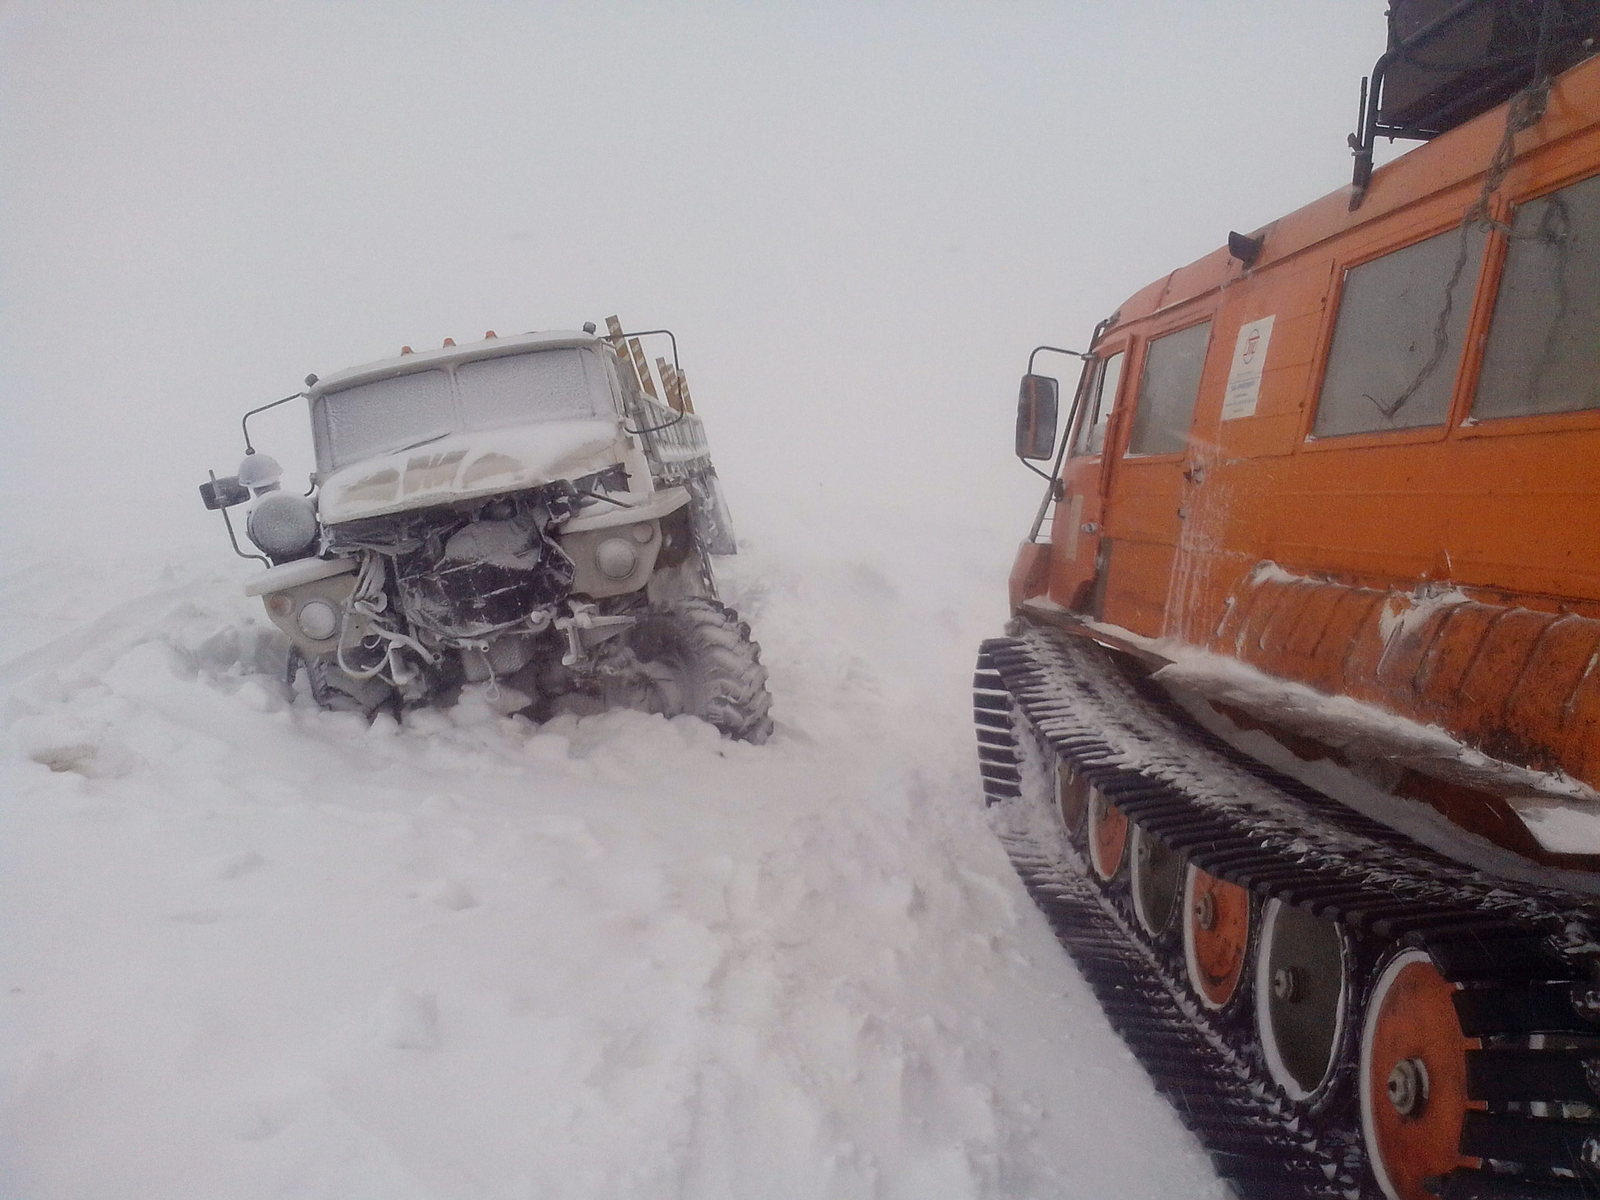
column 250, row 949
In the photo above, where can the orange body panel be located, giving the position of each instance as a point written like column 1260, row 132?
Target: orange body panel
column 1029, row 573
column 1521, row 684
column 1449, row 574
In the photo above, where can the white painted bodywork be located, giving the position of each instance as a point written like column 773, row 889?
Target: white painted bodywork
column 467, row 466
column 631, row 510
column 294, row 574
column 423, row 360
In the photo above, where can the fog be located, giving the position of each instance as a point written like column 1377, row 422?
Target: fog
column 858, row 220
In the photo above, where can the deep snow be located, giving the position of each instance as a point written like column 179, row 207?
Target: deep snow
column 255, row 950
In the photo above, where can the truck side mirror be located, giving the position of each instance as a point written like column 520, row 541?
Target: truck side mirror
column 1037, row 406
column 223, row 493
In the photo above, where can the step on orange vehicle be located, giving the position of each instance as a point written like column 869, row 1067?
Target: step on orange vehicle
column 1294, row 733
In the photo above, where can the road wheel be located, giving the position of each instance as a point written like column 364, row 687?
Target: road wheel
column 695, row 656
column 1216, row 936
column 1302, row 994
column 1413, row 1077
column 1072, row 796
column 1108, row 835
column 1156, row 879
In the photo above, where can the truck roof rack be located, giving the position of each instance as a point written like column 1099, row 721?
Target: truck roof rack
column 1451, row 60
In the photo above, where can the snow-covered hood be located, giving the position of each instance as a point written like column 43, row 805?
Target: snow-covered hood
column 462, row 466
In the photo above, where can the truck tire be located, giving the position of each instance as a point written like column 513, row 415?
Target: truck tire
column 695, row 656
column 335, row 691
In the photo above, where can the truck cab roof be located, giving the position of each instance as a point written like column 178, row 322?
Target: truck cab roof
column 421, row 360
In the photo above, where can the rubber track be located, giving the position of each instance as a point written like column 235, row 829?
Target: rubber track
column 1525, row 960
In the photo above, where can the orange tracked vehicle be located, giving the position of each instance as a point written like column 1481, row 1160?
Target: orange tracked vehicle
column 1295, row 731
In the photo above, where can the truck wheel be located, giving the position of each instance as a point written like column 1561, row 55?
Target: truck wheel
column 335, row 691
column 694, row 656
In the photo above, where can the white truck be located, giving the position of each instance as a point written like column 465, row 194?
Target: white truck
column 521, row 512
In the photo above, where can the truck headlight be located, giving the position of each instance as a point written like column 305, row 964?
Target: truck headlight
column 616, row 558
column 318, row 620
column 282, row 524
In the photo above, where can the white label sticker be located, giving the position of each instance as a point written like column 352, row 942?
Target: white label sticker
column 1244, row 377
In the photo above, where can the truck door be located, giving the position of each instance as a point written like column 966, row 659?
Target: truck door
column 1148, row 500
column 1079, row 513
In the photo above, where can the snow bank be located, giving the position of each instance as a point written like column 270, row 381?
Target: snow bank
column 253, row 949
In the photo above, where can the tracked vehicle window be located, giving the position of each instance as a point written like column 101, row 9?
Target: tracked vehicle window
column 1397, row 343
column 1544, row 343
column 1101, row 400
column 1167, row 391
column 387, row 414
column 550, row 385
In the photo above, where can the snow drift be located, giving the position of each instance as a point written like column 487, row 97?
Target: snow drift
column 252, row 949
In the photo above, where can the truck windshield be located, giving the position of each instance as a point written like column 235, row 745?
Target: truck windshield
column 387, row 415
column 551, row 385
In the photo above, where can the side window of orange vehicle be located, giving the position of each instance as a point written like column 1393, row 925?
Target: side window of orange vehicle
column 1168, row 389
column 1543, row 354
column 1397, row 342
column 1100, row 401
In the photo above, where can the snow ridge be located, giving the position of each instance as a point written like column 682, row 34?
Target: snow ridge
column 254, row 949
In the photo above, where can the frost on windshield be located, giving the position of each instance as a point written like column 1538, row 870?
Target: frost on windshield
column 386, row 414
column 392, row 414
column 546, row 386
column 1168, row 390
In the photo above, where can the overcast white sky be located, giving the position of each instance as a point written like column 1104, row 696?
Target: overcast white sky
column 858, row 218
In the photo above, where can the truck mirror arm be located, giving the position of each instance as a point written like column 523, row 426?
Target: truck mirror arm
column 223, row 496
column 657, row 428
column 1037, row 350
column 1045, row 475
column 676, row 366
column 244, row 421
column 1048, row 476
column 1057, row 488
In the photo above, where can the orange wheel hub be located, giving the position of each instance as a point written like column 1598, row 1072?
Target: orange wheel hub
column 1072, row 796
column 1216, row 935
column 1108, row 835
column 1413, row 1078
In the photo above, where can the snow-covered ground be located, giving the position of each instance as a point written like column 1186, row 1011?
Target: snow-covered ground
column 250, row 949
